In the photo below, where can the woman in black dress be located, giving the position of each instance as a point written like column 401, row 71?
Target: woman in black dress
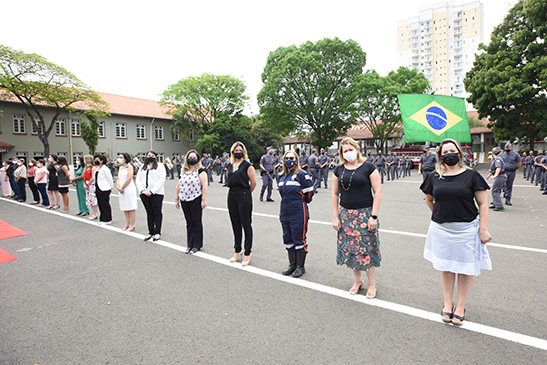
column 241, row 180
column 53, row 183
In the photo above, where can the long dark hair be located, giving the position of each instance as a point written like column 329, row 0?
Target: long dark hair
column 126, row 157
column 62, row 161
column 155, row 165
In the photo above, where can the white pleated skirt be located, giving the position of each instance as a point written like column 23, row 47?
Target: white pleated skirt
column 456, row 247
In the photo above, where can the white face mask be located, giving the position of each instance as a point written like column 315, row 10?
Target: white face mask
column 350, row 156
column 120, row 161
column 31, row 164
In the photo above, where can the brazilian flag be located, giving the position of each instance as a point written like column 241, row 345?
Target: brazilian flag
column 432, row 118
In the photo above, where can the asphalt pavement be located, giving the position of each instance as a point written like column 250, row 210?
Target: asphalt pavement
column 88, row 294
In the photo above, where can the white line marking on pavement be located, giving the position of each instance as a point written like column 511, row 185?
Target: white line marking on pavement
column 400, row 308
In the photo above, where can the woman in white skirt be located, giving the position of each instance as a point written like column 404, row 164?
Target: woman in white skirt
column 458, row 233
column 128, row 191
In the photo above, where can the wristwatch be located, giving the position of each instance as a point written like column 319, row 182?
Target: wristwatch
column 373, row 216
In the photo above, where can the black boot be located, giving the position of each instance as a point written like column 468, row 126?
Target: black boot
column 292, row 263
column 300, row 260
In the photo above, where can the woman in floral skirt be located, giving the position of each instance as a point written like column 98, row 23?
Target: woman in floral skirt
column 356, row 196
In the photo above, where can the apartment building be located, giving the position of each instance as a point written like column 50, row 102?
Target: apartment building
column 441, row 42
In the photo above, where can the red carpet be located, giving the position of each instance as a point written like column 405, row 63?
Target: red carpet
column 9, row 231
column 5, row 257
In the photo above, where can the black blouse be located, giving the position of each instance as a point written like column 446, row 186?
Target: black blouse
column 354, row 186
column 239, row 179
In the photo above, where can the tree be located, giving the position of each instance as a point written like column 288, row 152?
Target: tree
column 90, row 131
column 262, row 137
column 198, row 102
column 508, row 80
column 307, row 89
column 377, row 106
column 35, row 83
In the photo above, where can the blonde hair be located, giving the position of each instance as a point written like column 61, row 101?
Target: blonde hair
column 442, row 166
column 88, row 160
column 296, row 167
column 186, row 166
column 350, row 141
column 238, row 144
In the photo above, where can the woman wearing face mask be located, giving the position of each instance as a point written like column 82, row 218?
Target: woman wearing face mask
column 150, row 184
column 241, row 179
column 53, row 183
column 103, row 188
column 356, row 196
column 128, row 191
column 78, row 181
column 89, row 186
column 40, row 179
column 63, row 176
column 296, row 190
column 31, row 171
column 458, row 233
column 4, row 180
column 191, row 194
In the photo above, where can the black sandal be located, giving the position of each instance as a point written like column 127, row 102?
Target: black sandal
column 447, row 317
column 457, row 320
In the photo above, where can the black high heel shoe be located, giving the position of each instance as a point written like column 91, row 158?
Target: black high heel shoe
column 447, row 317
column 147, row 238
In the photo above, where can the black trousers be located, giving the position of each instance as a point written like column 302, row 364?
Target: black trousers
column 152, row 205
column 240, row 208
column 22, row 188
column 194, row 224
column 103, row 201
column 34, row 189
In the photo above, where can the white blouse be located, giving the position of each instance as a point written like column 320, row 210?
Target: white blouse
column 151, row 180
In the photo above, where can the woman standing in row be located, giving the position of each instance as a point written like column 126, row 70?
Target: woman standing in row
column 103, row 188
column 63, row 176
column 150, row 184
column 241, row 179
column 53, row 183
column 458, row 231
column 40, row 179
column 356, row 196
column 4, row 180
column 191, row 194
column 127, row 191
column 78, row 181
column 31, row 171
column 89, row 186
column 296, row 190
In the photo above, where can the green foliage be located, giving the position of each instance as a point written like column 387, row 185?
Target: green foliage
column 261, row 137
column 508, row 80
column 376, row 101
column 35, row 82
column 90, row 131
column 197, row 103
column 307, row 89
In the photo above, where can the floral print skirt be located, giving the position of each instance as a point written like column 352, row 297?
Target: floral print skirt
column 358, row 249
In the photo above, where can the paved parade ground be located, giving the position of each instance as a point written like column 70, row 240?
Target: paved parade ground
column 79, row 293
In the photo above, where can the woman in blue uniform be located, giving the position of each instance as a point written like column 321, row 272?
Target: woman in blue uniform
column 296, row 190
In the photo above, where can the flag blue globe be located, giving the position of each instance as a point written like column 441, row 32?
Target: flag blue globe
column 436, row 118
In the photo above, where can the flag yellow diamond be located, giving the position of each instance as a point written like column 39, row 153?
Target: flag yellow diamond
column 436, row 118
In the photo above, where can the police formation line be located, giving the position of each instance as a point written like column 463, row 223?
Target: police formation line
column 457, row 215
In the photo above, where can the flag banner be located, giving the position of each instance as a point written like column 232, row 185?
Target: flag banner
column 432, row 118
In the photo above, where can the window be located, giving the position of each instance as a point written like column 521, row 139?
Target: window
column 34, row 129
column 61, row 154
column 158, row 132
column 191, row 136
column 76, row 131
column 160, row 157
column 120, row 130
column 38, row 155
column 100, row 129
column 22, row 156
column 175, row 135
column 18, row 123
column 60, row 127
column 141, row 131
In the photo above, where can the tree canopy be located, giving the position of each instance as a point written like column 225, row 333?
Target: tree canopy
column 376, row 103
column 307, row 89
column 508, row 80
column 35, row 82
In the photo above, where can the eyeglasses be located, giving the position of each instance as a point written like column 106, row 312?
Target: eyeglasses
column 290, row 158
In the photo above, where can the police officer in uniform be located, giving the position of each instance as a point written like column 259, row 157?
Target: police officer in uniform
column 389, row 163
column 303, row 161
column 543, row 167
column 370, row 158
column 512, row 162
column 530, row 166
column 277, row 167
column 313, row 163
column 497, row 171
column 538, row 173
column 336, row 159
column 380, row 163
column 525, row 163
column 408, row 165
column 267, row 163
column 323, row 160
column 428, row 163
column 396, row 166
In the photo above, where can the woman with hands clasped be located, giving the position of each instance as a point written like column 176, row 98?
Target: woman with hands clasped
column 128, row 191
column 458, row 232
column 356, row 196
column 191, row 194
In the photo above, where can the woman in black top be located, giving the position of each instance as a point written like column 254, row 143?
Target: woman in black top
column 458, row 231
column 356, row 196
column 53, row 183
column 241, row 179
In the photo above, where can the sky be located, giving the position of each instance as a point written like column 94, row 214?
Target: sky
column 138, row 48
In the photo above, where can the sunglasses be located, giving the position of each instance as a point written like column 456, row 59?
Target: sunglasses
column 290, row 158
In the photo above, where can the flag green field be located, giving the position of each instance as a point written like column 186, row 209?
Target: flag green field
column 432, row 118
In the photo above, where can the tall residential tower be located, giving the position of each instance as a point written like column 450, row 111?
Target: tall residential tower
column 441, row 42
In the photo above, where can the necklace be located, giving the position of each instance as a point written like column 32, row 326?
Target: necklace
column 350, row 178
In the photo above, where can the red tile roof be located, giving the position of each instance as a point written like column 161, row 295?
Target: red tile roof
column 6, row 145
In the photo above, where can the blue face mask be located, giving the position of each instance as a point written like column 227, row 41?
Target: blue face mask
column 290, row 164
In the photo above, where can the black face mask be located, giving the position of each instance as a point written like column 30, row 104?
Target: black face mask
column 508, row 151
column 192, row 161
column 238, row 155
column 451, row 159
column 97, row 162
column 150, row 159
